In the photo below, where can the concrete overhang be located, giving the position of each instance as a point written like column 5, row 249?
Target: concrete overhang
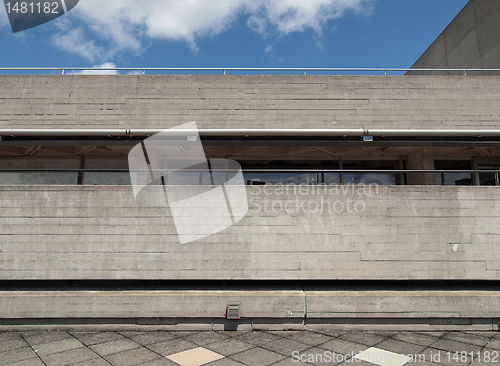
column 256, row 137
column 248, row 132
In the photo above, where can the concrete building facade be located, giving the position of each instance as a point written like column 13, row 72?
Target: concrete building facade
column 367, row 202
column 470, row 42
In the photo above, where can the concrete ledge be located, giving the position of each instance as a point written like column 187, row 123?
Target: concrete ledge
column 400, row 233
column 271, row 309
column 403, row 304
column 149, row 304
column 232, row 101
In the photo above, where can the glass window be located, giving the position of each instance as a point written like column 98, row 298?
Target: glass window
column 453, row 179
column 382, row 179
column 38, row 178
column 332, row 178
column 106, row 178
column 489, row 179
column 281, row 178
column 30, row 177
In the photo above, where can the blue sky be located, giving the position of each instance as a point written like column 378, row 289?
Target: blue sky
column 232, row 33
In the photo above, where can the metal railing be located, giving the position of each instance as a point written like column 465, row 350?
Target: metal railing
column 367, row 171
column 320, row 173
column 238, row 70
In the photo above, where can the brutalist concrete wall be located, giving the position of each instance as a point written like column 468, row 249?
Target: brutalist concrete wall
column 289, row 233
column 471, row 41
column 228, row 101
column 291, row 306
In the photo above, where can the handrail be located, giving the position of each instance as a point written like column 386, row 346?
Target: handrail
column 223, row 70
column 385, row 171
column 246, row 132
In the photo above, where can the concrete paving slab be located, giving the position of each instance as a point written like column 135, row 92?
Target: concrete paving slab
column 28, row 362
column 147, row 338
column 159, row 362
column 311, row 338
column 257, row 338
column 225, row 362
column 467, row 338
column 195, row 357
column 168, row 348
column 204, row 338
column 438, row 356
column 335, row 333
column 229, row 346
column 416, row 338
column 315, row 356
column 56, row 346
column 400, row 347
column 67, row 357
column 234, row 333
column 283, row 333
column 39, row 337
column 486, row 334
column 258, row 357
column 343, row 347
column 132, row 357
column 181, row 334
column 93, row 362
column 360, row 363
column 9, row 335
column 90, row 338
column 453, row 346
column 487, row 356
column 432, row 333
column 286, row 346
column 237, row 348
column 367, row 338
column 19, row 354
column 14, row 343
column 382, row 357
column 109, row 348
column 494, row 344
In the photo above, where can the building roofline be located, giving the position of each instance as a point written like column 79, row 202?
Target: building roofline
column 249, row 132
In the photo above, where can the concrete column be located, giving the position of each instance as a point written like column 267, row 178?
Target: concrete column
column 421, row 159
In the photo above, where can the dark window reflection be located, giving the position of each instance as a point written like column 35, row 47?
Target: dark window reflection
column 281, row 178
column 383, row 179
column 370, row 178
column 453, row 179
column 284, row 177
column 488, row 179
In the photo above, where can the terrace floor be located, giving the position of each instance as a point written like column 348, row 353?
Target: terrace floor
column 385, row 348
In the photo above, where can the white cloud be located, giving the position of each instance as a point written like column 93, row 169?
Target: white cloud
column 74, row 41
column 296, row 15
column 4, row 20
column 96, row 71
column 127, row 24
